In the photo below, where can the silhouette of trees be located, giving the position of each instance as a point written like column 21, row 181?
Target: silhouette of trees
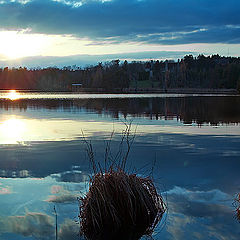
column 190, row 72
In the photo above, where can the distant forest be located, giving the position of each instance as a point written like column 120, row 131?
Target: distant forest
column 212, row 72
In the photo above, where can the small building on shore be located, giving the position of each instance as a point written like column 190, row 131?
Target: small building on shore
column 76, row 87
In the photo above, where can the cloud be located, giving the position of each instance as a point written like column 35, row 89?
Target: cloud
column 71, row 176
column 201, row 215
column 39, row 226
column 5, row 190
column 61, row 195
column 199, row 203
column 211, row 196
column 176, row 226
column 69, row 230
column 63, row 198
column 56, row 189
column 149, row 21
column 33, row 224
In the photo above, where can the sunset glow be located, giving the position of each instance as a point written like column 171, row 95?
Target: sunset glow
column 17, row 44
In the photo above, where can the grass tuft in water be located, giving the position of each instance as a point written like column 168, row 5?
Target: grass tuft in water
column 119, row 205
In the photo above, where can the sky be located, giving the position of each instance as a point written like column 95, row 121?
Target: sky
column 67, row 32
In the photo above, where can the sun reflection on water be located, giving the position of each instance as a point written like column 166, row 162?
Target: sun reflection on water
column 12, row 130
column 13, row 95
column 18, row 130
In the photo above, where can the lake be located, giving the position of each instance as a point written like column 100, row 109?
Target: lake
column 189, row 144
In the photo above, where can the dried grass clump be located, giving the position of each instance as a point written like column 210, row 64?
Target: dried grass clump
column 120, row 206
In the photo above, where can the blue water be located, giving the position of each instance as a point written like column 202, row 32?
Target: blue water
column 189, row 144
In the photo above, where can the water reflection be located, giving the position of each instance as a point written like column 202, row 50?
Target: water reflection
column 37, row 225
column 22, row 131
column 192, row 142
column 26, row 130
column 13, row 130
column 71, row 176
column 201, row 110
column 28, row 208
column 14, row 173
column 198, row 214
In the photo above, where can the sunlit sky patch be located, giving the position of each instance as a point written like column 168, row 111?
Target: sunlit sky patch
column 53, row 29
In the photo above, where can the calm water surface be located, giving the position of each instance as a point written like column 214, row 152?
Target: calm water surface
column 190, row 144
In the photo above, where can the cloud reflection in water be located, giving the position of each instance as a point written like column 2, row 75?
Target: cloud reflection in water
column 24, row 130
column 39, row 226
column 200, row 215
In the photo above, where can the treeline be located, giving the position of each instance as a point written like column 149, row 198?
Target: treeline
column 190, row 72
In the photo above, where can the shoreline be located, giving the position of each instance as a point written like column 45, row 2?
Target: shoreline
column 137, row 91
column 160, row 91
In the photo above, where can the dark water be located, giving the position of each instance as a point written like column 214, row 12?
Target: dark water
column 190, row 144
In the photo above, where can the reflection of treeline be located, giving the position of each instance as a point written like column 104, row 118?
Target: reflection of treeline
column 190, row 72
column 201, row 110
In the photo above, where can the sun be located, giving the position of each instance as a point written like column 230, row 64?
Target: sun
column 18, row 44
column 13, row 95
